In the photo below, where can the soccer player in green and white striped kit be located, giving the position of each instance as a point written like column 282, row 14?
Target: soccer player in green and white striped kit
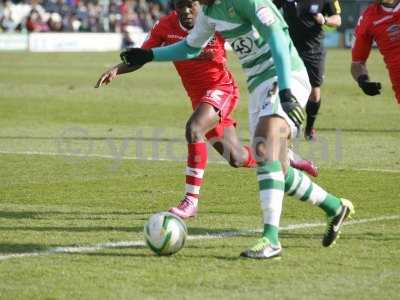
column 279, row 89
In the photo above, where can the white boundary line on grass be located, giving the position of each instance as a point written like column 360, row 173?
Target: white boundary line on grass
column 104, row 156
column 136, row 244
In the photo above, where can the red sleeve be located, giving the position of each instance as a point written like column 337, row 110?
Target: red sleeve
column 363, row 40
column 155, row 37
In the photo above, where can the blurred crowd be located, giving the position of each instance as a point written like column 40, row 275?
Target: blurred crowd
column 125, row 16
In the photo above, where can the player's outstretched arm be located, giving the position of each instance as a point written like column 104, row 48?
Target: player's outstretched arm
column 174, row 52
column 113, row 72
column 360, row 74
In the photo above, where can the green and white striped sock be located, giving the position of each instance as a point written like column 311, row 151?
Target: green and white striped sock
column 299, row 185
column 271, row 182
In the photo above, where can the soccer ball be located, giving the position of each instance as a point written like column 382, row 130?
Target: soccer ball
column 165, row 233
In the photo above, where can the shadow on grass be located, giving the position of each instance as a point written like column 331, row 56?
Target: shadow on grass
column 117, row 254
column 201, row 256
column 9, row 248
column 313, row 236
column 365, row 236
column 73, row 228
column 221, row 212
column 371, row 236
column 41, row 215
column 151, row 255
column 210, row 231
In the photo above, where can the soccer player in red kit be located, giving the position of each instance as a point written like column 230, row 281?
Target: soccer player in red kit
column 380, row 22
column 214, row 95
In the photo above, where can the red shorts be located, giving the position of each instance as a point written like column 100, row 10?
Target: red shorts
column 224, row 99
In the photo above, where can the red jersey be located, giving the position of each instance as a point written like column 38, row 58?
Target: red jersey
column 382, row 25
column 197, row 75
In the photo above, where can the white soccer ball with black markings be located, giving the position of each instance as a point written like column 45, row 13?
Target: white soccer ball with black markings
column 165, row 233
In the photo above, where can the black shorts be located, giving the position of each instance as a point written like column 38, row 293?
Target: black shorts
column 314, row 60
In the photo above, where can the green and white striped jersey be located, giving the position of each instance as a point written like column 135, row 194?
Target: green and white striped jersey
column 246, row 26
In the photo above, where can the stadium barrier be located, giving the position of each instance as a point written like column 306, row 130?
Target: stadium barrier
column 74, row 42
column 93, row 42
column 14, row 41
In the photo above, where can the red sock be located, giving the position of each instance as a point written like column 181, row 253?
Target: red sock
column 251, row 162
column 196, row 163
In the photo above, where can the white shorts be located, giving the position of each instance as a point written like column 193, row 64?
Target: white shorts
column 264, row 100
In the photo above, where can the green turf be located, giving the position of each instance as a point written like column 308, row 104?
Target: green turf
column 48, row 104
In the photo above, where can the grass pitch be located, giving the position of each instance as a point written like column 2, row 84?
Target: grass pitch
column 76, row 189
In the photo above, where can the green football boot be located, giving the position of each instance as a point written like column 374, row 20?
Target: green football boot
column 263, row 249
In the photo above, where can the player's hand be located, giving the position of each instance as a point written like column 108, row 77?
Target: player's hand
column 136, row 56
column 292, row 107
column 319, row 18
column 370, row 88
column 107, row 77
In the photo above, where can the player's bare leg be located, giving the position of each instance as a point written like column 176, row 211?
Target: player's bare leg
column 203, row 119
column 232, row 150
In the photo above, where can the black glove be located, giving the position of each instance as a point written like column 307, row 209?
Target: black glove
column 369, row 87
column 136, row 56
column 292, row 107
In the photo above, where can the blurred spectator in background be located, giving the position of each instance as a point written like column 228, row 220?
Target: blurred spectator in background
column 72, row 23
column 146, row 21
column 125, row 16
column 155, row 11
column 36, row 23
column 13, row 16
column 142, row 6
column 55, row 22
